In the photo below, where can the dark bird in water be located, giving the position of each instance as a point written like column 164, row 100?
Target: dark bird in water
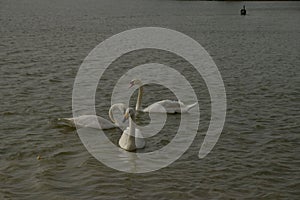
column 243, row 10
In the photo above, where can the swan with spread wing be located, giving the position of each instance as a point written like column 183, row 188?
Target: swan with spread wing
column 164, row 106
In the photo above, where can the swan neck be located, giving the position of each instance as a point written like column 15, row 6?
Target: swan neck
column 111, row 116
column 139, row 100
column 131, row 127
column 121, row 107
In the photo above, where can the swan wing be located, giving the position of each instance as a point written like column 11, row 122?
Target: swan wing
column 169, row 106
column 155, row 107
column 104, row 123
column 140, row 142
column 172, row 106
column 165, row 106
column 126, row 142
column 80, row 121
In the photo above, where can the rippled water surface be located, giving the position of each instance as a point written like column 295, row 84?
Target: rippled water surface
column 42, row 45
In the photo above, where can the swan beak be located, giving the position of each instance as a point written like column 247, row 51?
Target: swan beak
column 126, row 116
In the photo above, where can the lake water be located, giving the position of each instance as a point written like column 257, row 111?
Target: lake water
column 42, row 45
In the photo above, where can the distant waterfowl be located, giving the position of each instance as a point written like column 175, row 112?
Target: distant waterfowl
column 243, row 11
column 94, row 121
column 128, row 140
column 164, row 106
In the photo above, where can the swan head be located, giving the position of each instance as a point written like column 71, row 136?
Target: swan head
column 135, row 82
column 129, row 113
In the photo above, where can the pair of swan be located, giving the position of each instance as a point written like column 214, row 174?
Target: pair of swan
column 128, row 141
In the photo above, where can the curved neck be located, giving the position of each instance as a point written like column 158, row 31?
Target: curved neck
column 121, row 108
column 110, row 114
column 139, row 100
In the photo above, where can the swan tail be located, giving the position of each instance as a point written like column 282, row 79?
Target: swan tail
column 189, row 107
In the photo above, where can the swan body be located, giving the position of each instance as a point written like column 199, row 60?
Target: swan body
column 169, row 106
column 89, row 121
column 96, row 122
column 128, row 140
column 164, row 106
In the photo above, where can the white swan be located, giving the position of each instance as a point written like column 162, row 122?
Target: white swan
column 128, row 141
column 169, row 106
column 94, row 121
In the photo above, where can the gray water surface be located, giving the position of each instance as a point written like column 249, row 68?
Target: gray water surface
column 42, row 44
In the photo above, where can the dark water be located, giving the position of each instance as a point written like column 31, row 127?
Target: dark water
column 42, row 45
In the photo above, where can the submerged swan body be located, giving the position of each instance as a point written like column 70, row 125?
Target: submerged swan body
column 94, row 121
column 164, row 106
column 128, row 140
